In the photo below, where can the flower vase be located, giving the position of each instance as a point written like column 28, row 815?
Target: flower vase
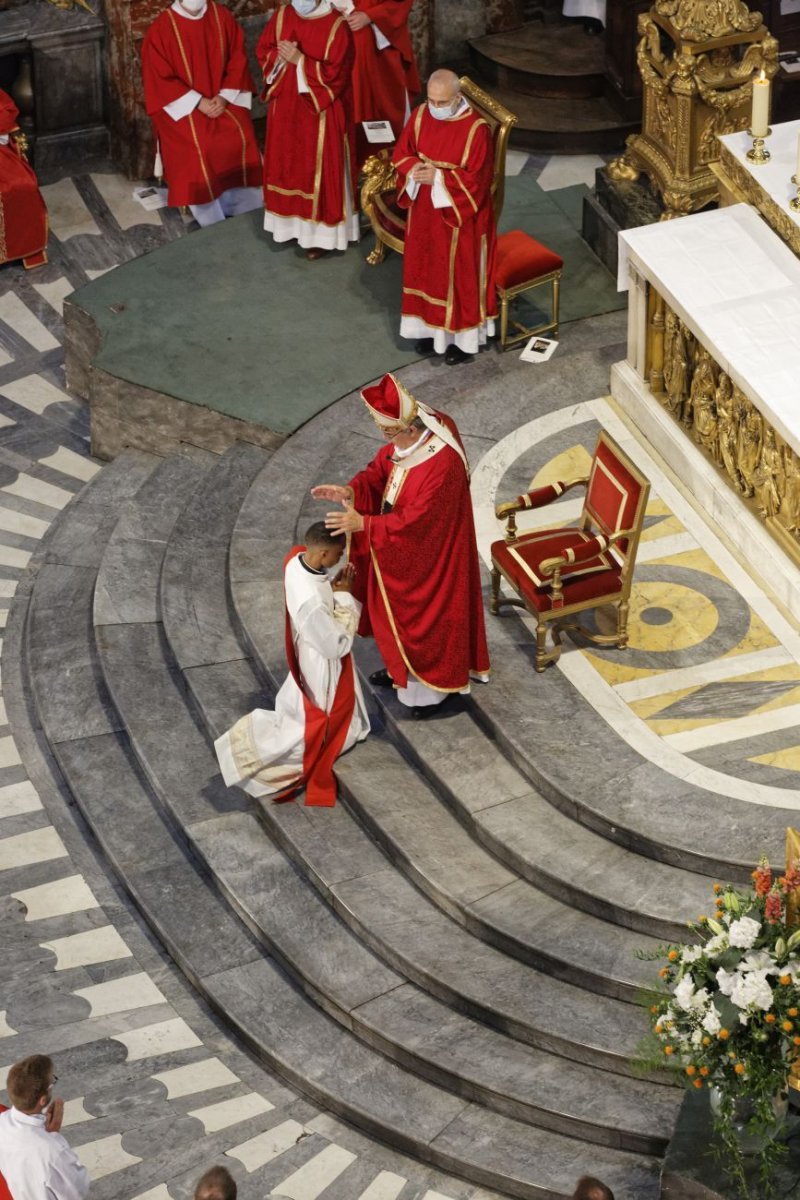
column 752, row 1142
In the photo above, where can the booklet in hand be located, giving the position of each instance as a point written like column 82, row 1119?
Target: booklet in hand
column 378, row 131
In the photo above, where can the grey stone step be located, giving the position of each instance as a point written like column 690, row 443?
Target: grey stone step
column 312, row 943
column 594, row 778
column 232, row 973
column 552, row 850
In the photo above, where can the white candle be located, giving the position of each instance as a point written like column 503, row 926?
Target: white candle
column 759, row 121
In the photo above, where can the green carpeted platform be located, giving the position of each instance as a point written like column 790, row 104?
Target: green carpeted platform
column 226, row 319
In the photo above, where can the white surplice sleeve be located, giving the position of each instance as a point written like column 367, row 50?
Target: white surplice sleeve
column 331, row 634
column 69, row 1178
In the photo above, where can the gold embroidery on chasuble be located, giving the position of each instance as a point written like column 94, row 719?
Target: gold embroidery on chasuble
column 190, row 82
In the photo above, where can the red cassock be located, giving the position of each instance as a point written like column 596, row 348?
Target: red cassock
column 384, row 81
column 203, row 156
column 23, row 216
column 417, row 566
column 449, row 258
column 309, row 148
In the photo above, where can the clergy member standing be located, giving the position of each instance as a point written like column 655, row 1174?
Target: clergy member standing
column 591, row 12
column 385, row 78
column 445, row 167
column 319, row 711
column 306, row 52
column 414, row 550
column 198, row 92
column 23, row 216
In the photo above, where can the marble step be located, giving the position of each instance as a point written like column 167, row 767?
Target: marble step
column 606, row 784
column 554, row 60
column 550, row 849
column 541, row 723
column 231, row 971
column 326, row 959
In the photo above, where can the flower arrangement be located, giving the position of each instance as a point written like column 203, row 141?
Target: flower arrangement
column 729, row 1019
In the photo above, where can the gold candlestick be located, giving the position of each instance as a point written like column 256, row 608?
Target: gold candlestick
column 758, row 154
column 794, row 204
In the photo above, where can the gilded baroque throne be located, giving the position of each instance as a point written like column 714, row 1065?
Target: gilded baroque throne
column 378, row 191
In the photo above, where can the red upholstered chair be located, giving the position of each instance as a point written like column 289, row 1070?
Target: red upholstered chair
column 379, row 188
column 557, row 573
column 524, row 264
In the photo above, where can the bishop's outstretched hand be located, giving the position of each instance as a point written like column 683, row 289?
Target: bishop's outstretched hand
column 333, row 491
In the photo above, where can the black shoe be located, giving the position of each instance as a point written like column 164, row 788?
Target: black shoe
column 593, row 27
column 381, row 678
column 453, row 356
column 424, row 346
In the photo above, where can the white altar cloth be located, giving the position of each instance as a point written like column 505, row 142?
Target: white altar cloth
column 736, row 285
column 775, row 177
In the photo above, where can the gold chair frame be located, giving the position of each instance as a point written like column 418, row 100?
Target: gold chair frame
column 506, row 295
column 380, row 175
column 553, row 619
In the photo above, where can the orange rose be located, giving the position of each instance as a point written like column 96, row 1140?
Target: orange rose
column 792, row 1012
column 668, row 1050
column 704, row 1071
column 785, row 980
column 739, row 1068
column 787, row 1026
column 673, row 956
column 770, row 1018
column 698, row 1083
column 723, row 1035
column 691, row 1071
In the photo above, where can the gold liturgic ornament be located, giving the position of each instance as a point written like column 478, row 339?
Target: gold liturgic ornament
column 757, row 462
column 697, row 60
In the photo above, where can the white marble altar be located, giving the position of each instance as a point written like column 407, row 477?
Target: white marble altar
column 775, row 176
column 736, row 286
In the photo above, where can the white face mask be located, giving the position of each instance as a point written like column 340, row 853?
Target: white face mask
column 304, row 8
column 444, row 114
column 193, row 6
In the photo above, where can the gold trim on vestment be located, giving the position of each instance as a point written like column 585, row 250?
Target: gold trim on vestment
column 470, row 138
column 424, row 296
column 323, row 117
column 215, row 11
column 235, row 120
column 396, row 636
column 3, row 248
column 273, row 187
column 191, row 114
column 448, row 316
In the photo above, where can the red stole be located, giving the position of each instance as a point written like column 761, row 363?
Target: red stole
column 325, row 731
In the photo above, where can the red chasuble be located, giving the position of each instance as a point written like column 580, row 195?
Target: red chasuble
column 418, row 567
column 23, row 216
column 203, row 156
column 325, row 732
column 309, row 143
column 449, row 259
column 383, row 78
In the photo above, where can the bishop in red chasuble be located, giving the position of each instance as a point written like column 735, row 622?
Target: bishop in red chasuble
column 198, row 93
column 23, row 216
column 413, row 548
column 445, row 167
column 385, row 78
column 306, row 52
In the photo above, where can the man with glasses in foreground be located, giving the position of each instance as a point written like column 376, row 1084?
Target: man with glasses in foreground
column 35, row 1160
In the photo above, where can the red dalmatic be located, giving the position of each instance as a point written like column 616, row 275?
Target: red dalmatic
column 23, row 216
column 309, row 143
column 418, row 567
column 385, row 82
column 449, row 259
column 325, row 732
column 203, row 156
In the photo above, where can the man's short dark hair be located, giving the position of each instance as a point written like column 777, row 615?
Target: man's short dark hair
column 216, row 1184
column 319, row 535
column 28, row 1081
column 589, row 1188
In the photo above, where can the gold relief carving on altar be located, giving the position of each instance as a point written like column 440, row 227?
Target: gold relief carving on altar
column 720, row 418
column 695, row 88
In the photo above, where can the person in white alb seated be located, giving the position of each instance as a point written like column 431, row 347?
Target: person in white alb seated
column 591, row 12
column 198, row 93
column 35, row 1160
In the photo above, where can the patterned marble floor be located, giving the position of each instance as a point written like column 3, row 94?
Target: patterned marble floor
column 156, row 1090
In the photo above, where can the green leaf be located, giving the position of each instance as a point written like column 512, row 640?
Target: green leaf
column 714, row 926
